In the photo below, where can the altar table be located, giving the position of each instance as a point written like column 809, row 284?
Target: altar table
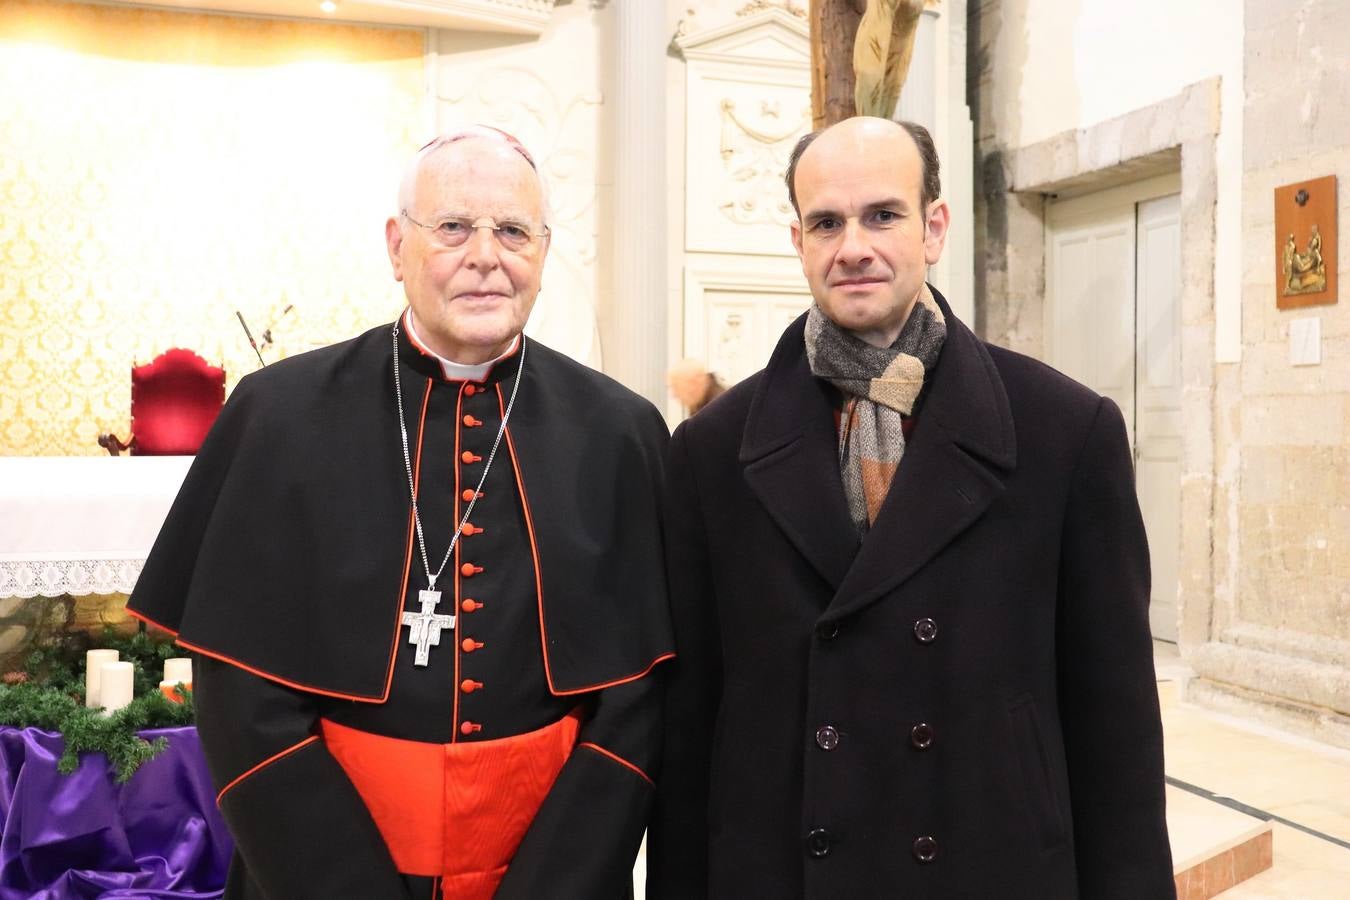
column 81, row 524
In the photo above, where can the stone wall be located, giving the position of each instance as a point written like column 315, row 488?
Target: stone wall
column 1279, row 628
column 1264, row 597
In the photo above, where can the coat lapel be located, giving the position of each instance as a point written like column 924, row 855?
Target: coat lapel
column 790, row 459
column 963, row 446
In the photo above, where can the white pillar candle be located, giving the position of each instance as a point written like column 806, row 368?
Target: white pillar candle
column 93, row 660
column 115, row 685
column 177, row 669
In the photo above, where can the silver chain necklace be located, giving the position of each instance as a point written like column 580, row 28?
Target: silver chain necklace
column 425, row 626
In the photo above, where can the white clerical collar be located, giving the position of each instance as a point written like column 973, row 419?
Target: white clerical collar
column 456, row 371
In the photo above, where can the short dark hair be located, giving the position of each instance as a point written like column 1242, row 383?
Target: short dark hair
column 932, row 183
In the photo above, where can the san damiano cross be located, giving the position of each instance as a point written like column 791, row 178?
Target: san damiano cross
column 424, row 628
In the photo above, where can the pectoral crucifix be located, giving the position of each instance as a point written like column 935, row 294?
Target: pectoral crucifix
column 424, row 628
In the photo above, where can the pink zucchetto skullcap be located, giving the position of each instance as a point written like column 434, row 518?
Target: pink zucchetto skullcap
column 470, row 131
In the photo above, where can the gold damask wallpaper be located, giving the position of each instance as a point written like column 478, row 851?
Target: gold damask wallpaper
column 161, row 170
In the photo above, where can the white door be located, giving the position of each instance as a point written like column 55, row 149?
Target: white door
column 1091, row 280
column 1113, row 285
column 1157, row 410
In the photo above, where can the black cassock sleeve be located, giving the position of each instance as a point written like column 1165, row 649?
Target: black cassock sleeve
column 677, row 847
column 584, row 840
column 300, row 828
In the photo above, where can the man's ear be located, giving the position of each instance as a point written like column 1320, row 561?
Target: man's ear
column 796, row 229
column 393, row 240
column 935, row 231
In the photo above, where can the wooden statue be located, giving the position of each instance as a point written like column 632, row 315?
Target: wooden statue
column 860, row 54
column 882, row 52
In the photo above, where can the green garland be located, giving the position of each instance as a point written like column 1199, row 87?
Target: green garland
column 49, row 694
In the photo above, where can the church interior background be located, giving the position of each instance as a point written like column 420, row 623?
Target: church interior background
column 170, row 169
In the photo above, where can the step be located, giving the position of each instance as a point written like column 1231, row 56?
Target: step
column 1214, row 847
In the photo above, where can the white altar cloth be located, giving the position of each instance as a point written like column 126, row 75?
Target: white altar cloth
column 81, row 524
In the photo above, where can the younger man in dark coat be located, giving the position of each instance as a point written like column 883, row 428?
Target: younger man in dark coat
column 909, row 584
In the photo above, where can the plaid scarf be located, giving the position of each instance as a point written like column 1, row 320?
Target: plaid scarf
column 881, row 386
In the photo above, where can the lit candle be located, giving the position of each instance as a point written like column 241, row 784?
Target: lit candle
column 115, row 685
column 93, row 660
column 177, row 669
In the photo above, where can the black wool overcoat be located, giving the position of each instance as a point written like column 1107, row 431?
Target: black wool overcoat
column 961, row 706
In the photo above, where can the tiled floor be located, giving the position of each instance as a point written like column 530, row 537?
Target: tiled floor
column 1296, row 779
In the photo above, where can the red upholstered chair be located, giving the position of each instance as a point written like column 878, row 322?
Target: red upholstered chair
column 174, row 401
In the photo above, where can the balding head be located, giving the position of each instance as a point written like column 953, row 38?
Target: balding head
column 864, row 128
column 504, row 142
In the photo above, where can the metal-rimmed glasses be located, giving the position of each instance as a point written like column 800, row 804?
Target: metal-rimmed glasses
column 454, row 231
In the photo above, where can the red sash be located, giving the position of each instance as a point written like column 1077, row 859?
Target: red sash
column 458, row 811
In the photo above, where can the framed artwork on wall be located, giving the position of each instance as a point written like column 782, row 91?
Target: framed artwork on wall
column 1305, row 243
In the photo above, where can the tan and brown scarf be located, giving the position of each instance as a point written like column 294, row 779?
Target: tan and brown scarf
column 881, row 386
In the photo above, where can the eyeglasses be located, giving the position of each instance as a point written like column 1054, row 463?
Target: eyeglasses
column 454, row 231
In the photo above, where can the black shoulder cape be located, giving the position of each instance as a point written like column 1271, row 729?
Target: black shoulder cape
column 288, row 547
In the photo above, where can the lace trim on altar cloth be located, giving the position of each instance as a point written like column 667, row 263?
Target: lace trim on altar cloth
column 77, row 577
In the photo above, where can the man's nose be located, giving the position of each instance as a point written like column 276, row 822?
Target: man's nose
column 854, row 246
column 480, row 250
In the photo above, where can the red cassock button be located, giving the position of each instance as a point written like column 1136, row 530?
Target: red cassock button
column 468, row 495
column 468, row 645
column 468, row 570
column 469, row 727
column 471, row 422
column 470, row 390
column 469, row 458
column 471, row 529
column 468, row 685
column 469, row 604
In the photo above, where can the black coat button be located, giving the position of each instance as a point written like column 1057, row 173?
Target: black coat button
column 818, row 843
column 925, row 849
column 921, row 736
column 827, row 631
column 925, row 630
column 827, row 738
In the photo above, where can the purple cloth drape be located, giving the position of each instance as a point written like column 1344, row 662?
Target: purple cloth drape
column 70, row 837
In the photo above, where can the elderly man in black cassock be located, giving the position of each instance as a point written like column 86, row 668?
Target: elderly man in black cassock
column 422, row 574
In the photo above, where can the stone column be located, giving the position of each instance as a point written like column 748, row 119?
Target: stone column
column 633, row 312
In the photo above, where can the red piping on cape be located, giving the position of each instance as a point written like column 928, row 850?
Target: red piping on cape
column 618, row 759
column 398, row 609
column 459, row 613
column 407, row 555
column 149, row 621
column 197, row 648
column 539, row 585
column 265, row 763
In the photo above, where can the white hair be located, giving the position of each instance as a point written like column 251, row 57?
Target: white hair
column 407, row 187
